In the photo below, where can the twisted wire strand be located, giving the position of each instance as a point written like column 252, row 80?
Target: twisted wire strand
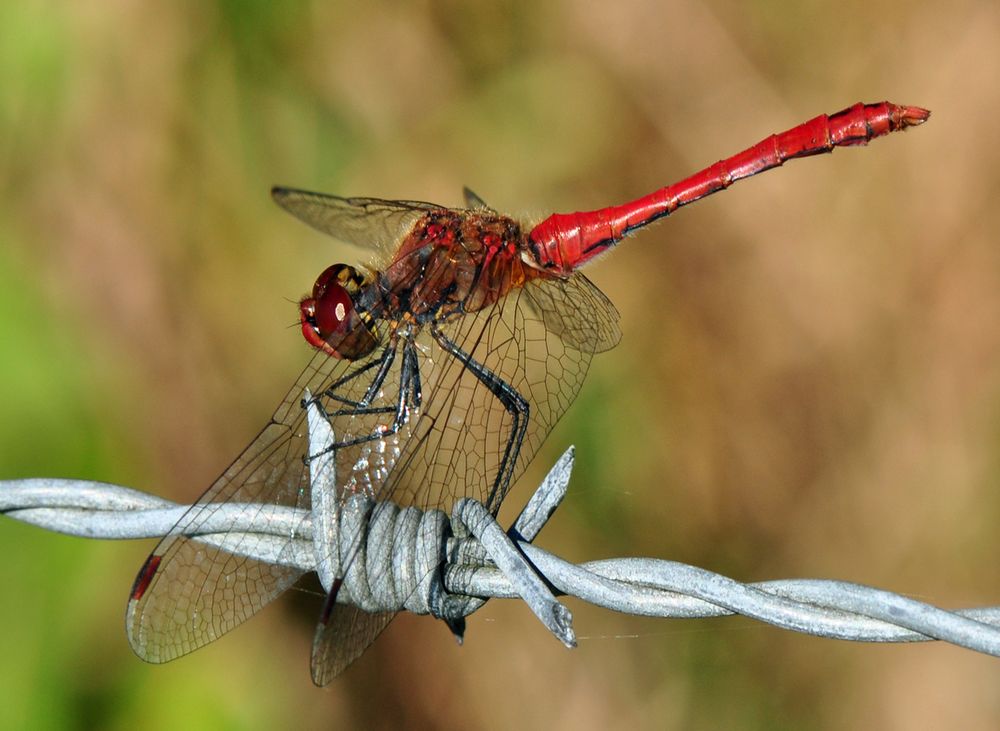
column 639, row 586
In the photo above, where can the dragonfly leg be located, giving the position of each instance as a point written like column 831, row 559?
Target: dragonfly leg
column 407, row 399
column 384, row 363
column 517, row 406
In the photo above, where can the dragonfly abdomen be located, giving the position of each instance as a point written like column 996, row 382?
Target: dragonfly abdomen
column 564, row 242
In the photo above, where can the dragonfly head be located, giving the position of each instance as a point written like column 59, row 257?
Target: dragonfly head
column 330, row 320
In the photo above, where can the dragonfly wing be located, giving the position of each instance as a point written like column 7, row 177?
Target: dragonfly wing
column 453, row 439
column 367, row 222
column 458, row 442
column 342, row 637
column 577, row 311
column 454, row 444
column 190, row 592
column 474, row 201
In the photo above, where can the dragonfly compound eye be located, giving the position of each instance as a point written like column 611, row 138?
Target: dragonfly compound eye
column 332, row 310
column 329, row 318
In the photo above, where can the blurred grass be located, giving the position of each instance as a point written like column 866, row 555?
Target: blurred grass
column 808, row 383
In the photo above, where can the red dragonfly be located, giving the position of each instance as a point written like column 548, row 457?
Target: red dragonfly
column 441, row 372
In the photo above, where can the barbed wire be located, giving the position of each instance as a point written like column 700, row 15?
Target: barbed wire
column 478, row 568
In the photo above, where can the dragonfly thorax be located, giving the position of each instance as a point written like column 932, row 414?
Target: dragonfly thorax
column 330, row 320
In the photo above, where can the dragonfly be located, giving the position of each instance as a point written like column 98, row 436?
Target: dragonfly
column 441, row 369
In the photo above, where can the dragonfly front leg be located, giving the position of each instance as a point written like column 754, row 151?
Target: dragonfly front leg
column 384, row 363
column 408, row 397
column 517, row 406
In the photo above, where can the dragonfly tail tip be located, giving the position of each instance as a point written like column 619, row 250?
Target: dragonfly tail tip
column 912, row 116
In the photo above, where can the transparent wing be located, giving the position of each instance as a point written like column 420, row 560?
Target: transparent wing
column 577, row 311
column 367, row 222
column 341, row 639
column 457, row 444
column 452, row 442
column 454, row 445
column 190, row 592
column 473, row 201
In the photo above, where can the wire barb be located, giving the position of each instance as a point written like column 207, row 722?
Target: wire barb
column 477, row 565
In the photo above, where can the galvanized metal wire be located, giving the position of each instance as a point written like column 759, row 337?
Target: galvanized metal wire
column 640, row 586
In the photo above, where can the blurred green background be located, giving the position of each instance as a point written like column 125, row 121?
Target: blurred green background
column 808, row 385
